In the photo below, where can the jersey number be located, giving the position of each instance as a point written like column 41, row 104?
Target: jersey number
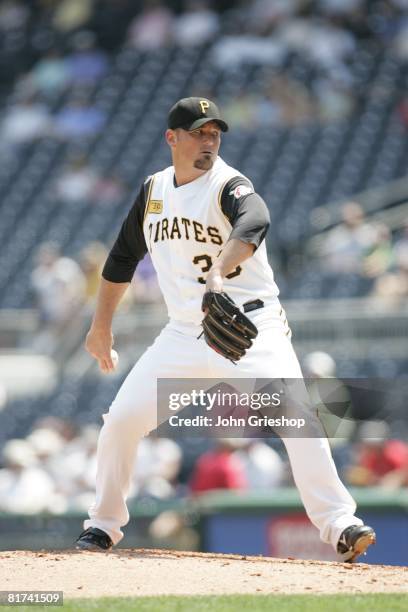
column 206, row 264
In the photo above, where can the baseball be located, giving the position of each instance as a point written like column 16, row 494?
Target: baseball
column 114, row 357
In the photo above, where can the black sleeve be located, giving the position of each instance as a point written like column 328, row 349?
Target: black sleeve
column 245, row 210
column 130, row 246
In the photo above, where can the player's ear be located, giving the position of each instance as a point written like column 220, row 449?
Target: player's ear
column 171, row 137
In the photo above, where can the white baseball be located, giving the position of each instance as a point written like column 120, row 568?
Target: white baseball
column 114, row 357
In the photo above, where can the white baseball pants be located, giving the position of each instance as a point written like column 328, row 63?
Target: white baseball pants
column 176, row 353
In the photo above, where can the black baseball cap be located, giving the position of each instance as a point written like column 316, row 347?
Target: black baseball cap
column 191, row 113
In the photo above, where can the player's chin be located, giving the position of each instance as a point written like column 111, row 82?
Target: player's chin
column 204, row 162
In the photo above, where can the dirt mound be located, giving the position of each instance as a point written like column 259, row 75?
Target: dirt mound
column 158, row 572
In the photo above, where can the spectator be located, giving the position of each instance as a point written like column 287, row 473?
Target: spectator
column 269, row 111
column 393, row 286
column 403, row 112
column 380, row 461
column 331, row 47
column 339, row 7
column 248, row 111
column 240, row 111
column 109, row 191
column 76, row 183
column 87, row 64
column 232, row 51
column 80, row 183
column 196, row 25
column 400, row 249
column 400, row 42
column 335, row 100
column 72, row 14
column 345, row 246
column 78, row 120
column 13, row 15
column 92, row 259
column 144, row 286
column 379, row 257
column 74, row 469
column 58, row 285
column 65, row 428
column 219, row 468
column 46, row 443
column 158, row 465
column 152, row 28
column 296, row 34
column 169, row 530
column 263, row 467
column 265, row 15
column 24, row 123
column 50, row 75
column 322, row 41
column 292, row 99
column 25, row 488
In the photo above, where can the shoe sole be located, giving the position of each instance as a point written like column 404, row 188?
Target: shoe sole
column 361, row 545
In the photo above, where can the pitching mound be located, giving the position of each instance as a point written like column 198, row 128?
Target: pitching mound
column 159, row 572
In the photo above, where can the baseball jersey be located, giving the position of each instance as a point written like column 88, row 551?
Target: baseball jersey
column 184, row 228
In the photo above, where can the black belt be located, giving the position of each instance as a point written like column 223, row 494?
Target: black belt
column 253, row 305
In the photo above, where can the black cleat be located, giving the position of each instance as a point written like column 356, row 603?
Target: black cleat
column 95, row 540
column 354, row 542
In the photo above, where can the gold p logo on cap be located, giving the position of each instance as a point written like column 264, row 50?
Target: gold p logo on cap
column 204, row 105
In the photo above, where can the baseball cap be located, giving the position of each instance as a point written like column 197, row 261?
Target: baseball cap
column 192, row 113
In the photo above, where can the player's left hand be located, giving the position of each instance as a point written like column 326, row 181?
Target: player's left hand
column 214, row 282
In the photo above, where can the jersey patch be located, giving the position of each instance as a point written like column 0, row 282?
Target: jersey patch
column 155, row 207
column 240, row 191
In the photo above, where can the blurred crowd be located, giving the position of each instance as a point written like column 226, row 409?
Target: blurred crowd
column 368, row 250
column 53, row 97
column 57, row 52
column 64, row 288
column 55, row 55
column 53, row 468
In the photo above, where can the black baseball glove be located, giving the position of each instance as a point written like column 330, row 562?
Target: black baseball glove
column 226, row 329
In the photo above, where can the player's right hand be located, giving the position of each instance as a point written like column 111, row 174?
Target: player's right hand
column 98, row 343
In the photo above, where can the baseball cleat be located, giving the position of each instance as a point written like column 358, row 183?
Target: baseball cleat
column 95, row 540
column 354, row 542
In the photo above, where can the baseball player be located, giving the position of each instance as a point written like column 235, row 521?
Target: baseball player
column 204, row 227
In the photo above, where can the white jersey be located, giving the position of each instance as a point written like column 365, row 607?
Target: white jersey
column 185, row 230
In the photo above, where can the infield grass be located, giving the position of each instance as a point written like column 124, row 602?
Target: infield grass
column 376, row 602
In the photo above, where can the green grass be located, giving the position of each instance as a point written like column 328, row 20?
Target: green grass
column 376, row 602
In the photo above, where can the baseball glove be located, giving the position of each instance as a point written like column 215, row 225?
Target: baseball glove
column 226, row 329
